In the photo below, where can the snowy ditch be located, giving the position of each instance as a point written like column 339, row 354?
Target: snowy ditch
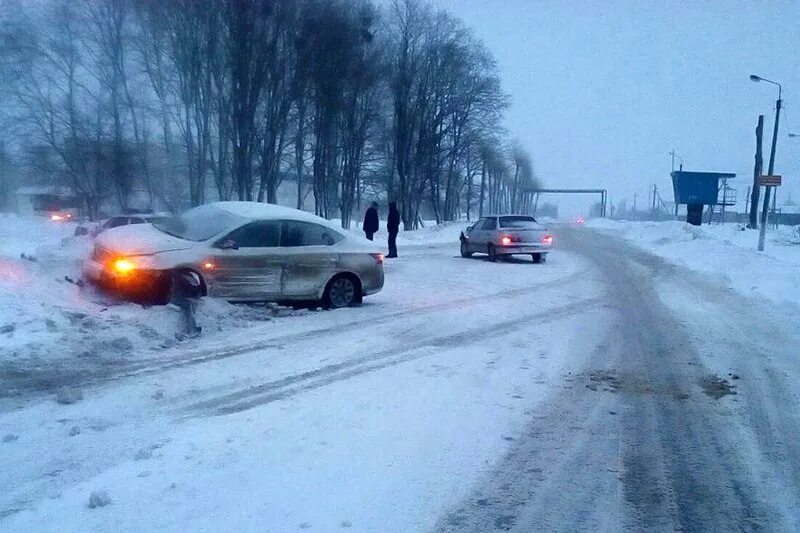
column 49, row 320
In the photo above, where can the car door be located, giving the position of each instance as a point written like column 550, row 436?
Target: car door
column 474, row 234
column 310, row 258
column 489, row 232
column 483, row 234
column 247, row 263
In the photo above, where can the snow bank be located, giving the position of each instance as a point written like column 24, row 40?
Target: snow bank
column 430, row 233
column 45, row 317
column 725, row 250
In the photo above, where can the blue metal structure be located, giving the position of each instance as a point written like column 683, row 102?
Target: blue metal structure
column 698, row 187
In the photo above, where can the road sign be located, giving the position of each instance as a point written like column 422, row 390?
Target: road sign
column 770, row 181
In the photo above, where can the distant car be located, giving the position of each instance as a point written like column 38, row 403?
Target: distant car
column 504, row 235
column 61, row 216
column 239, row 251
column 120, row 220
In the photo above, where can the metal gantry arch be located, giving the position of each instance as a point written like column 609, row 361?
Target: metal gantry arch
column 602, row 192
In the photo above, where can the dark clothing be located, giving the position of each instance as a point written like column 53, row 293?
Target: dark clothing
column 369, row 235
column 371, row 222
column 393, row 223
column 393, row 226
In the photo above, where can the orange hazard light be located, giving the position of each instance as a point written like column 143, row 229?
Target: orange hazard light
column 124, row 266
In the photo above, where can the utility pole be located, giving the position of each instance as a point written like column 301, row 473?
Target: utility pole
column 747, row 200
column 775, row 209
column 655, row 195
column 756, row 190
column 762, row 230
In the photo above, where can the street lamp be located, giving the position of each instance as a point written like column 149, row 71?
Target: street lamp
column 757, row 79
column 761, row 234
column 674, row 155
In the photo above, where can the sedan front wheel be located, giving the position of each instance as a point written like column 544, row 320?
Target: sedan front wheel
column 465, row 249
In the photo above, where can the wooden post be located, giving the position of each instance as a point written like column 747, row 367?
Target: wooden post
column 755, row 193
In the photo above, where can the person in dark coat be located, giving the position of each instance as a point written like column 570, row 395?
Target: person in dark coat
column 393, row 227
column 371, row 221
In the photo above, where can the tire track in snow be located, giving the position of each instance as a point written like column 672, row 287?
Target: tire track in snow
column 313, row 379
column 48, row 379
column 675, row 462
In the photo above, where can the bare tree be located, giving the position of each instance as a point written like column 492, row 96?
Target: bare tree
column 352, row 98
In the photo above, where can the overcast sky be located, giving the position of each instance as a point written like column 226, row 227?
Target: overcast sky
column 602, row 91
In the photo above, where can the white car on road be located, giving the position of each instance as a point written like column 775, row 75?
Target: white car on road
column 504, row 235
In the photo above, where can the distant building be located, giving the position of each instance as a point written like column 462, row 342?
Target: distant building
column 43, row 199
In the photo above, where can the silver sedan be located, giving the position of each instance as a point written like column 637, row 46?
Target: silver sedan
column 239, row 251
column 504, row 235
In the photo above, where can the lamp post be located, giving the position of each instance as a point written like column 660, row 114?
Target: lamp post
column 765, row 209
column 674, row 155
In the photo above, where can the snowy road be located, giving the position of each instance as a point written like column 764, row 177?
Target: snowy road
column 591, row 393
column 684, row 419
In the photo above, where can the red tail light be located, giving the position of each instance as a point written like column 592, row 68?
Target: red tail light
column 547, row 239
column 378, row 258
column 506, row 240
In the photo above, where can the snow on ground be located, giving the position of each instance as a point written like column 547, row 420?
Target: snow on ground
column 44, row 318
column 429, row 234
column 369, row 419
column 727, row 251
column 375, row 418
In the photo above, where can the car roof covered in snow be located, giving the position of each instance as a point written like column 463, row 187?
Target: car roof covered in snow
column 260, row 211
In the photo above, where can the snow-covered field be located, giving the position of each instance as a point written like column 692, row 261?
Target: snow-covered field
column 467, row 395
column 727, row 252
column 372, row 419
column 46, row 319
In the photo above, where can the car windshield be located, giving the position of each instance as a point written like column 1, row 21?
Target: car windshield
column 198, row 224
column 519, row 222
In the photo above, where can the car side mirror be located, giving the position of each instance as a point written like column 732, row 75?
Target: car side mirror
column 227, row 244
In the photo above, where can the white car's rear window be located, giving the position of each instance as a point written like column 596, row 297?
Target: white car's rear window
column 519, row 222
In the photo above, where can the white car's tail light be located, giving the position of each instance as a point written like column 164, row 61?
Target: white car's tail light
column 378, row 258
column 547, row 239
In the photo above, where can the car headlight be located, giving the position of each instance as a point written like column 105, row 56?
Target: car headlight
column 127, row 265
column 124, row 265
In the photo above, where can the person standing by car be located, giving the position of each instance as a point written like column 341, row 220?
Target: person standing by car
column 393, row 226
column 371, row 221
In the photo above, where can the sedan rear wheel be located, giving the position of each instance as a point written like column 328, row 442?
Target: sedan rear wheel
column 492, row 253
column 538, row 258
column 341, row 292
